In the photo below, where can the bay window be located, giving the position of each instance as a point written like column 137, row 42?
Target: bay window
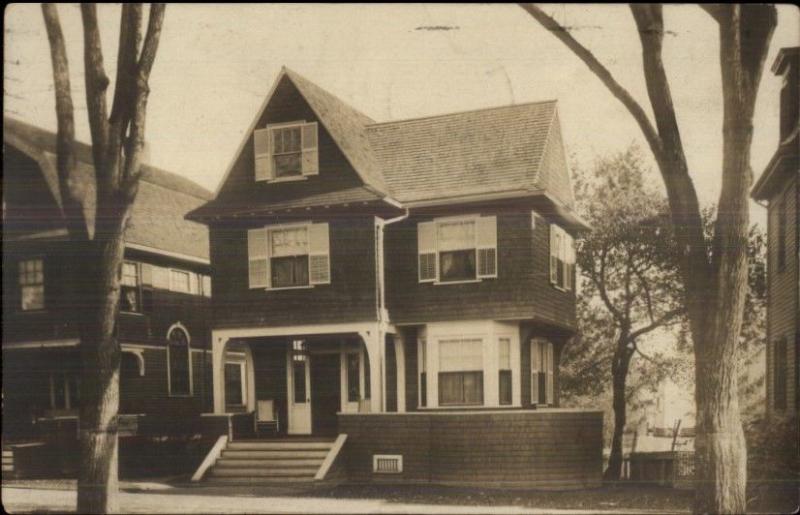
column 461, row 372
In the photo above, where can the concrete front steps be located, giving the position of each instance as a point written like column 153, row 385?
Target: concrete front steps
column 273, row 462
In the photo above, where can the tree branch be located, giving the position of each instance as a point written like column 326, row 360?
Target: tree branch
column 660, row 322
column 96, row 84
column 72, row 195
column 144, row 66
column 600, row 282
column 602, row 73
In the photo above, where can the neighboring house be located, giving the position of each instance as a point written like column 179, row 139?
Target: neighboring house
column 778, row 186
column 421, row 268
column 164, row 307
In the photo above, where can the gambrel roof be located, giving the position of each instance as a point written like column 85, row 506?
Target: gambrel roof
column 157, row 221
column 510, row 150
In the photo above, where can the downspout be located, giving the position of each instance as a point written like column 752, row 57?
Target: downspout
column 382, row 313
column 381, row 262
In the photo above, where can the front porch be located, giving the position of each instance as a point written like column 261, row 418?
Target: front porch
column 296, row 380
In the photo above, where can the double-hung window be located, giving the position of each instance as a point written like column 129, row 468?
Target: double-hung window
column 31, row 283
column 541, row 371
column 457, row 249
column 562, row 258
column 286, row 151
column 289, row 256
column 130, row 285
column 461, row 372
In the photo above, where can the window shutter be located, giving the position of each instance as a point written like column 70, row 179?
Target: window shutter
column 554, row 252
column 310, row 149
column 536, row 367
column 258, row 258
column 426, row 247
column 262, row 141
column 319, row 261
column 549, row 372
column 487, row 246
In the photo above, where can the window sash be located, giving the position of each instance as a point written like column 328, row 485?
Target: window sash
column 458, row 355
column 179, row 281
column 457, row 265
column 461, row 388
column 289, row 271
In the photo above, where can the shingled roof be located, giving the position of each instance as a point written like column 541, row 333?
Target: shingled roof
column 508, row 150
column 157, row 220
column 475, row 152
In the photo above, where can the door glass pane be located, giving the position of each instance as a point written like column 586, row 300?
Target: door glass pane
column 233, row 384
column 299, row 371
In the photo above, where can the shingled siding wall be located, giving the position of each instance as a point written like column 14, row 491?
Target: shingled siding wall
column 350, row 297
column 521, row 291
column 547, row 448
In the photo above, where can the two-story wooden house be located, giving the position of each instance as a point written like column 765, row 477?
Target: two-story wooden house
column 420, row 269
column 778, row 186
column 164, row 307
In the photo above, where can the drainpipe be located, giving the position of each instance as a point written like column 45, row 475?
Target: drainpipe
column 381, row 260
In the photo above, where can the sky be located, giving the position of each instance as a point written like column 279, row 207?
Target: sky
column 216, row 64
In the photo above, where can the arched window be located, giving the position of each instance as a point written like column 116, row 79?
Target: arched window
column 179, row 373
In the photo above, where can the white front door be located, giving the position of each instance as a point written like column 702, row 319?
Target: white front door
column 299, row 392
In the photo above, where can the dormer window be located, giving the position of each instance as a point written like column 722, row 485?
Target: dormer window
column 285, row 152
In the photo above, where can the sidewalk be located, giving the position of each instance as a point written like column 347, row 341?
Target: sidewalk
column 193, row 500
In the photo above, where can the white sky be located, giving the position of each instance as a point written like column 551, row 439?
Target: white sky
column 216, row 63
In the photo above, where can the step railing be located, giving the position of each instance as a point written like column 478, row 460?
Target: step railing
column 330, row 459
column 211, row 458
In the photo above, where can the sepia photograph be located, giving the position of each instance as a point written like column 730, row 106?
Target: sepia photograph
column 401, row 258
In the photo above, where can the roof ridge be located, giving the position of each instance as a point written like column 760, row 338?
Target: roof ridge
column 293, row 74
column 479, row 109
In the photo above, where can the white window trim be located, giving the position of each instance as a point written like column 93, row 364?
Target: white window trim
column 569, row 259
column 243, row 371
column 456, row 218
column 271, row 128
column 138, row 266
column 179, row 325
column 484, row 338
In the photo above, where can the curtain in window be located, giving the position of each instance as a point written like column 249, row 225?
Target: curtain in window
column 456, row 235
column 289, row 242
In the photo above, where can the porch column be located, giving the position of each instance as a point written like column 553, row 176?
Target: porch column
column 373, row 341
column 218, row 371
column 400, row 359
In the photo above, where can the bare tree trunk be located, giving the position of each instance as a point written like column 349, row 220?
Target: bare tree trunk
column 100, row 352
column 619, row 372
column 96, row 269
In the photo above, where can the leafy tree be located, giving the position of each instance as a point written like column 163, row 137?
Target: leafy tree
column 117, row 142
column 713, row 271
column 629, row 265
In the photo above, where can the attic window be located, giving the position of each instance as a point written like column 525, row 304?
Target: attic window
column 286, row 151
